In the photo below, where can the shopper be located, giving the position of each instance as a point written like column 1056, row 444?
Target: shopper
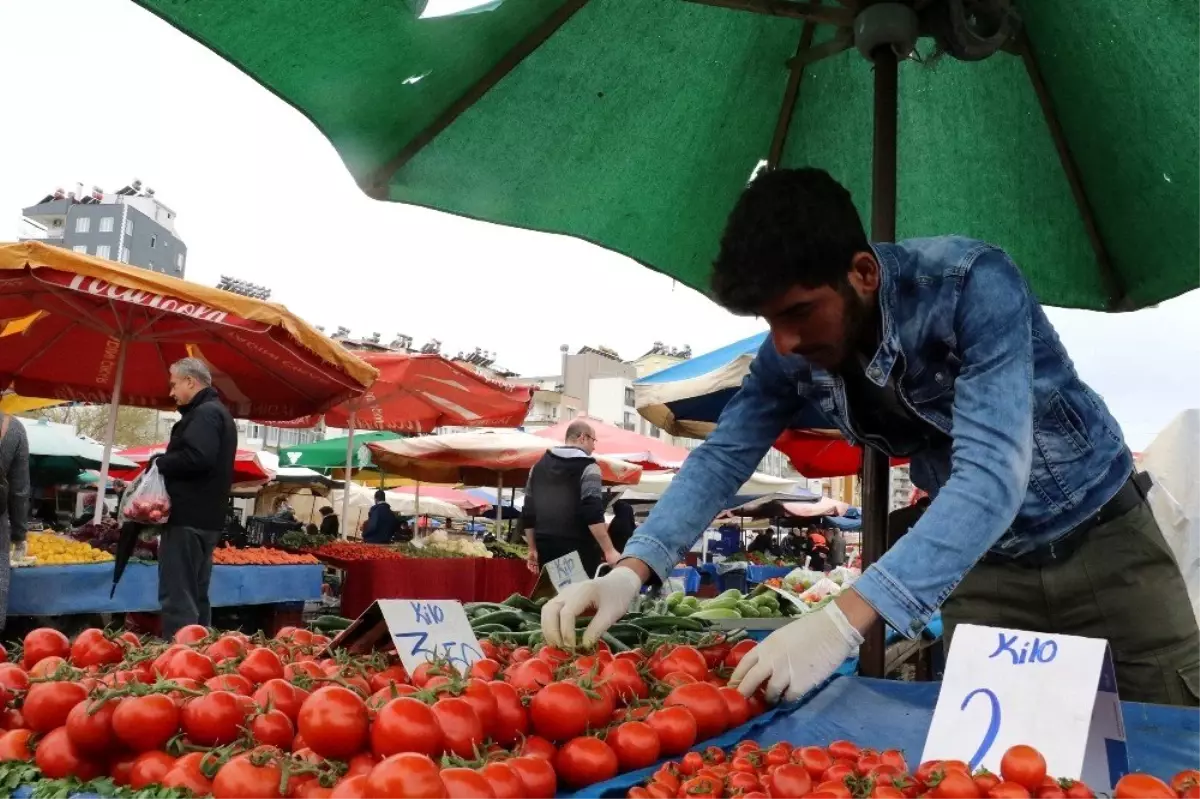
column 14, row 499
column 936, row 350
column 381, row 522
column 329, row 522
column 623, row 524
column 198, row 470
column 564, row 506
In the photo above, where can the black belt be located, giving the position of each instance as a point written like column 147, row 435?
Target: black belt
column 1130, row 495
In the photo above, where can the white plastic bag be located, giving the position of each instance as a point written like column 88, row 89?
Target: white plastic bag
column 148, row 503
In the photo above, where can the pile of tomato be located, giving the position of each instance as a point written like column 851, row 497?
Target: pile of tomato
column 843, row 770
column 228, row 715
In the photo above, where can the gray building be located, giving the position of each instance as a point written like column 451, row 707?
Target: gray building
column 130, row 226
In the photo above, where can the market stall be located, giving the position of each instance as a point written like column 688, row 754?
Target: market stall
column 464, row 579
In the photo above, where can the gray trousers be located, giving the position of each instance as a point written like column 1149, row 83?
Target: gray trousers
column 184, row 570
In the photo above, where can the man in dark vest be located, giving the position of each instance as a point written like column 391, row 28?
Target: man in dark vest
column 564, row 505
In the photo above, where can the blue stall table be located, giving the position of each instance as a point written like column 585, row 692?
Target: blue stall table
column 689, row 577
column 84, row 588
column 760, row 574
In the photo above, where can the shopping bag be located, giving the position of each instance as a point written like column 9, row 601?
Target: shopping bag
column 148, row 502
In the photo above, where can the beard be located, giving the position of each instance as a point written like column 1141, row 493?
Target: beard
column 858, row 328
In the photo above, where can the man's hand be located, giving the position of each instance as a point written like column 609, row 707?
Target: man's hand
column 609, row 596
column 611, row 557
column 531, row 560
column 798, row 657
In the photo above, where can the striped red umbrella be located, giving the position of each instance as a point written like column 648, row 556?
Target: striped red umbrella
column 246, row 466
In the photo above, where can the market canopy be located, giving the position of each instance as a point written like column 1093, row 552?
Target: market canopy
column 1075, row 147
column 463, row 500
column 626, row 445
column 362, row 499
column 480, row 458
column 247, row 468
column 331, row 453
column 52, row 449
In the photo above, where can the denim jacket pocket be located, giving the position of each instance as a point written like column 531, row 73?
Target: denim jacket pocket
column 1061, row 443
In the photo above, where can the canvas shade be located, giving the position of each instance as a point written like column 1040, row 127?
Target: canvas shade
column 247, row 468
column 417, row 393
column 331, row 452
column 637, row 130
column 11, row 403
column 51, row 449
column 626, row 445
column 470, row 505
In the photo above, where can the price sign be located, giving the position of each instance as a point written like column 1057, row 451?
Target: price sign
column 566, row 570
column 429, row 629
column 1057, row 693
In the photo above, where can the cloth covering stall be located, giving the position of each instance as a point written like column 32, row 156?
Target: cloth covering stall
column 464, row 579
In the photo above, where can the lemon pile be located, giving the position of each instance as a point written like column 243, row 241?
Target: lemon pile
column 56, row 550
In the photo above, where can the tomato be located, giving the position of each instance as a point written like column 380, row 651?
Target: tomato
column 279, row 694
column 92, row 733
column 12, row 679
column 190, row 664
column 214, row 719
column 1131, row 786
column 406, row 725
column 149, row 768
column 93, row 648
column 1185, row 780
column 14, row 745
column 384, row 695
column 691, row 763
column 705, row 703
column 227, row 647
column 737, row 708
column 461, row 728
column 1050, row 792
column 742, row 782
column 146, row 722
column 272, row 728
column 985, row 781
column 240, row 778
column 511, row 721
column 954, row 784
column 483, row 702
column 626, row 682
column 1023, row 765
column 1008, row 790
column 233, row 683
column 334, row 723
column 789, row 779
column 261, row 665
column 867, row 763
column 191, row 634
column 538, row 747
column 58, row 758
column 485, row 669
column 529, row 675
column 48, row 703
column 676, row 728
column 186, row 774
column 636, row 745
column 682, row 659
column 537, row 775
column 844, row 749
column 42, row 643
column 553, row 655
column 585, row 761
column 886, row 792
column 362, row 763
column 816, row 761
column 350, row 788
column 503, row 780
column 559, row 711
column 120, row 767
column 704, row 787
column 405, row 775
column 895, row 759
column 466, row 783
column 832, row 790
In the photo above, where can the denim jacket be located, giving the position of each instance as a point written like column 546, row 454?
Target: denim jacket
column 1032, row 451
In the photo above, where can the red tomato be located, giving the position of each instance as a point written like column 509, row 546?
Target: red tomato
column 831, row 790
column 58, row 758
column 261, row 665
column 706, row 704
column 461, row 728
column 623, row 678
column 511, row 721
column 1131, row 786
column 636, row 745
column 560, row 711
column 477, row 694
column 190, row 634
column 143, row 723
column 537, row 776
column 334, row 722
column 42, row 643
column 93, row 648
column 233, row 683
column 214, row 719
column 273, row 728
column 585, row 761
column 985, row 781
column 816, row 761
column 1183, row 781
column 1008, row 790
column 503, row 781
column 279, row 694
column 676, row 728
column 537, row 747
column 47, row 704
column 227, row 647
column 381, row 697
column 190, row 664
column 683, row 659
column 406, row 725
column 465, row 783
column 844, row 749
column 14, row 745
column 529, row 675
column 350, row 788
column 737, row 652
column 405, row 775
column 241, row 778
column 485, row 669
column 12, row 679
column 955, row 784
column 736, row 706
column 149, row 768
column 92, row 733
column 1023, row 765
column 789, row 780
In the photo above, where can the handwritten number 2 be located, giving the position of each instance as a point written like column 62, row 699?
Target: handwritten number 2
column 993, row 729
column 417, row 647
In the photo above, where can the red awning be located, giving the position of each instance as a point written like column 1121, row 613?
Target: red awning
column 626, row 445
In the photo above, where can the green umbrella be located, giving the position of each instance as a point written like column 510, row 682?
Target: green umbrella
column 331, row 453
column 53, row 450
column 1069, row 137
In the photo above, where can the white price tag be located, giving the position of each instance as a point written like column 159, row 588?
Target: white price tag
column 1056, row 693
column 566, row 570
column 428, row 629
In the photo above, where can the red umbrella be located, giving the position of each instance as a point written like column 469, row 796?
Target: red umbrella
column 246, row 466
column 626, row 445
column 457, row 497
column 821, row 453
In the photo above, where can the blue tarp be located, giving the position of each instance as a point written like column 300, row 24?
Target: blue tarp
column 690, row 578
column 59, row 590
column 887, row 714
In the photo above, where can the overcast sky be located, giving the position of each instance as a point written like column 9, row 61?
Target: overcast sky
column 101, row 92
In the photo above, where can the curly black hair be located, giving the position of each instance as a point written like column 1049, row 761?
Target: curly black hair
column 790, row 227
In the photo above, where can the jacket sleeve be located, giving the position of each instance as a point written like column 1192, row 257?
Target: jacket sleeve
column 990, row 458
column 18, row 484
column 748, row 426
column 529, row 508
column 372, row 522
column 198, row 448
column 591, row 496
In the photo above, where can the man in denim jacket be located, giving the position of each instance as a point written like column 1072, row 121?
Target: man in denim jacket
column 936, row 350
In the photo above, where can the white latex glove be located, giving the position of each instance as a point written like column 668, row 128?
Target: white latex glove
column 610, row 597
column 18, row 551
column 796, row 658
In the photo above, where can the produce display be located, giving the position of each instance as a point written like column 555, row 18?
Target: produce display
column 48, row 549
column 441, row 545
column 843, row 770
column 300, row 540
column 259, row 556
column 107, row 534
column 356, row 550
column 762, row 559
column 731, row 604
column 226, row 715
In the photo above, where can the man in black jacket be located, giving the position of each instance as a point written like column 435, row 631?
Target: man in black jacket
column 198, row 470
column 564, row 505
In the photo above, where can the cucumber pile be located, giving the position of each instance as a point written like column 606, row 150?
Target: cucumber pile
column 732, row 604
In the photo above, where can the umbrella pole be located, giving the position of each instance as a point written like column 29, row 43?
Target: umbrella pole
column 417, row 512
column 499, row 501
column 346, row 526
column 110, row 431
column 875, row 466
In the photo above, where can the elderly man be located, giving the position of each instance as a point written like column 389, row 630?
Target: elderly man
column 14, row 497
column 198, row 470
column 564, row 505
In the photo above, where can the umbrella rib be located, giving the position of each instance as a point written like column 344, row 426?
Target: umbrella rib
column 809, row 12
column 47, row 346
column 262, row 366
column 1113, row 283
column 375, row 184
column 790, row 94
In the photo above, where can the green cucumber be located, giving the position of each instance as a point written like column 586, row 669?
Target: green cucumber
column 712, row 614
column 748, row 610
column 331, row 623
column 674, row 598
column 670, row 623
column 519, row 602
column 484, row 630
column 509, row 618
